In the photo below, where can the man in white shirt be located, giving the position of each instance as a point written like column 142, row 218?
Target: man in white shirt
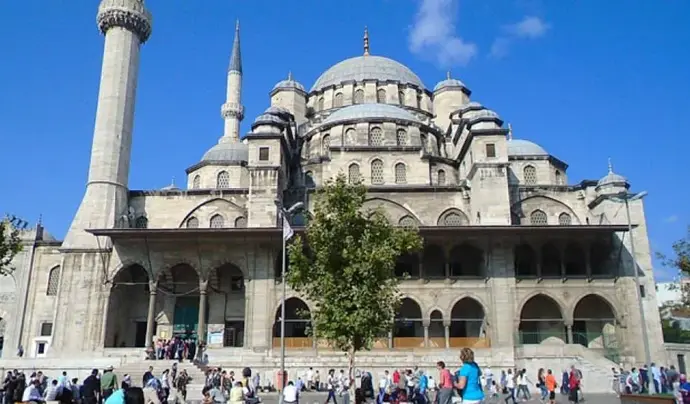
column 32, row 393
column 384, row 386
column 310, row 379
column 290, row 394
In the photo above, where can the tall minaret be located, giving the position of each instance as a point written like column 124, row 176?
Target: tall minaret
column 233, row 111
column 126, row 25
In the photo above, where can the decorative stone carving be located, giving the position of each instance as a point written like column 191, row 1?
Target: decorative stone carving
column 232, row 110
column 128, row 14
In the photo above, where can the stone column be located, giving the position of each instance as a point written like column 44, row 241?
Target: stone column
column 390, row 339
column 201, row 331
column 153, row 286
column 569, row 331
column 446, row 331
column 426, row 323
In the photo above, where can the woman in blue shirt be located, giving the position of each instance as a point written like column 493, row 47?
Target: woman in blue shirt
column 469, row 378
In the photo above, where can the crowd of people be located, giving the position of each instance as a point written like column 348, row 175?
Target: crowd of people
column 652, row 379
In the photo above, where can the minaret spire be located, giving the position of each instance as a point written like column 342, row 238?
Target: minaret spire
column 448, row 75
column 610, row 166
column 236, row 56
column 366, row 41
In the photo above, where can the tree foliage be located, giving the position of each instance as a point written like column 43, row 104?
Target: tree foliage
column 345, row 266
column 10, row 245
column 680, row 261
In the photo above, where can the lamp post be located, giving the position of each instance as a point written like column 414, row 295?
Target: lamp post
column 285, row 215
column 626, row 198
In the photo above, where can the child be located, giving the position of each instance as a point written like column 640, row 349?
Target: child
column 237, row 394
column 493, row 389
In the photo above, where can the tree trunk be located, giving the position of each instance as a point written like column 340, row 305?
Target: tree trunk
column 351, row 368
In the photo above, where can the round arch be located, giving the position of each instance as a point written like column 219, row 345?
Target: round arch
column 441, row 221
column 551, row 206
column 437, row 331
column 127, row 308
column 399, row 209
column 594, row 321
column 468, row 323
column 297, row 323
column 197, row 210
column 408, row 325
column 227, row 302
column 541, row 318
column 126, row 264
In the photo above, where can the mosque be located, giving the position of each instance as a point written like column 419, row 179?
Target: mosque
column 519, row 260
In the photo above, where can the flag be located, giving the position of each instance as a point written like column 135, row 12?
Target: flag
column 287, row 230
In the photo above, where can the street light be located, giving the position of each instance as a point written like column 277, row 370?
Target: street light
column 626, row 198
column 285, row 214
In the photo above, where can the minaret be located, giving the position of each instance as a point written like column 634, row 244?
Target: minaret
column 126, row 25
column 233, row 111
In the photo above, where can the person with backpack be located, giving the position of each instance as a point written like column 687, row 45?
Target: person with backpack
column 468, row 378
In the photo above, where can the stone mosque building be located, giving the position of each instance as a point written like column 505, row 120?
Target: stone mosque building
column 519, row 261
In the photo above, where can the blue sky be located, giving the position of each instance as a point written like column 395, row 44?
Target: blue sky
column 586, row 79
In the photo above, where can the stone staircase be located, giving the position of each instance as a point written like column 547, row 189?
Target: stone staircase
column 137, row 369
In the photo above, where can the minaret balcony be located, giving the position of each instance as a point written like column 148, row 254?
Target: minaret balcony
column 232, row 110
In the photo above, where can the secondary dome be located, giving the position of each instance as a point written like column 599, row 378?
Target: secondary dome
column 519, row 147
column 227, row 152
column 368, row 111
column 366, row 68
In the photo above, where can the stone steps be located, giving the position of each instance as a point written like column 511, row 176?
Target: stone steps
column 136, row 371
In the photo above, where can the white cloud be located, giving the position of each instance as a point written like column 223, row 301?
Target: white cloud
column 671, row 219
column 433, row 34
column 528, row 28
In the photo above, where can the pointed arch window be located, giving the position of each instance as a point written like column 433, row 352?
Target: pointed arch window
column 141, row 223
column 326, row 145
column 241, row 222
column 565, row 219
column 338, row 100
column 217, row 222
column 454, row 220
column 375, row 136
column 401, row 137
column 192, row 223
column 53, row 281
column 400, row 173
column 351, row 137
column 353, row 173
column 319, row 104
column 196, row 182
column 401, row 97
column 529, row 174
column 441, row 180
column 407, row 221
column 223, row 180
column 538, row 218
column 381, row 96
column 377, row 172
column 359, row 97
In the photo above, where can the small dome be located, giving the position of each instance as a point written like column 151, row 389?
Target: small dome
column 449, row 83
column 367, row 111
column 269, row 119
column 612, row 178
column 227, row 152
column 276, row 110
column 519, row 147
column 485, row 113
column 289, row 84
column 367, row 67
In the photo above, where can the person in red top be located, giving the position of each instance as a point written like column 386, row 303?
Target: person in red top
column 396, row 377
column 445, row 385
column 574, row 384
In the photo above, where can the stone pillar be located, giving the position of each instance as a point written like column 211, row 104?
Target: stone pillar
column 201, row 331
column 390, row 339
column 569, row 332
column 446, row 331
column 153, row 286
column 426, row 324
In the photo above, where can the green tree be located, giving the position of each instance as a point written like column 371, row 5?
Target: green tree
column 9, row 244
column 680, row 261
column 345, row 266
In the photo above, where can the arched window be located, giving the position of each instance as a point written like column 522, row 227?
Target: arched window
column 407, row 221
column 53, row 281
column 141, row 223
column 338, row 100
column 377, row 172
column 196, row 182
column 241, row 222
column 538, row 218
column 375, row 136
column 192, row 223
column 401, row 137
column 530, row 175
column 223, row 180
column 401, row 97
column 217, row 222
column 319, row 105
column 326, row 145
column 359, row 97
column 559, row 178
column 381, row 96
column 453, row 220
column 400, row 173
column 564, row 219
column 441, row 177
column 353, row 173
column 351, row 137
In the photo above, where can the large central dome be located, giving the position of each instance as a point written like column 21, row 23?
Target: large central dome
column 366, row 68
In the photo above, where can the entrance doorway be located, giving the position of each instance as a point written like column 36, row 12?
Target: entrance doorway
column 234, row 334
column 186, row 317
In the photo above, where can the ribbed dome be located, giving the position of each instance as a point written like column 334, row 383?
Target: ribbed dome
column 366, row 68
column 367, row 111
column 276, row 110
column 449, row 83
column 288, row 84
column 519, row 147
column 612, row 179
column 227, row 151
column 268, row 119
column 485, row 113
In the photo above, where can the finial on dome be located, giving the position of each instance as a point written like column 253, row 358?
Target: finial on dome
column 173, row 181
column 366, row 41
column 510, row 131
column 289, row 75
column 237, row 25
column 448, row 75
column 610, row 166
